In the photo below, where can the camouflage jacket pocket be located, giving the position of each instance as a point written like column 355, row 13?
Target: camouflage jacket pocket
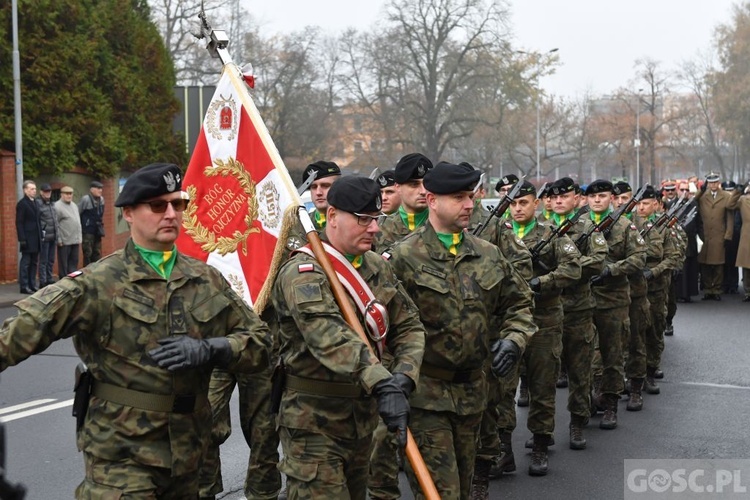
column 131, row 326
column 433, row 296
column 209, row 308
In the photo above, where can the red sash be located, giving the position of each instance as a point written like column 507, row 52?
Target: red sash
column 375, row 314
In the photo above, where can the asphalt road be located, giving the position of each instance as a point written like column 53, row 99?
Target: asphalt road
column 700, row 413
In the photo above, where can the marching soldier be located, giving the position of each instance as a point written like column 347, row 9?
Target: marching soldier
column 327, row 415
column 557, row 267
column 468, row 297
column 578, row 308
column 409, row 172
column 626, row 255
column 150, row 324
column 663, row 256
column 389, row 191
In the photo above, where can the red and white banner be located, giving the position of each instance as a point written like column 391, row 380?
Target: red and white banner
column 239, row 190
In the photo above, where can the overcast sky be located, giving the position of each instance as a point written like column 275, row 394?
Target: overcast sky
column 598, row 40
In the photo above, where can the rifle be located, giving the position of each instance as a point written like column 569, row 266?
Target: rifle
column 556, row 232
column 665, row 216
column 689, row 217
column 606, row 224
column 677, row 215
column 501, row 207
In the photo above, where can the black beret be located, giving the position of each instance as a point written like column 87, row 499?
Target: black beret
column 355, row 193
column 324, row 169
column 149, row 182
column 412, row 166
column 45, row 187
column 96, row 184
column 599, row 186
column 649, row 192
column 526, row 188
column 447, row 178
column 387, row 178
column 507, row 180
column 562, row 185
column 713, row 177
column 621, row 187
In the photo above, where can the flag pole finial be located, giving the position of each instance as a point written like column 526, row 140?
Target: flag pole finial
column 218, row 40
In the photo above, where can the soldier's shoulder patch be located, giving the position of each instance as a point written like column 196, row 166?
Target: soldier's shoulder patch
column 598, row 239
column 386, row 255
column 75, row 274
column 649, row 224
column 307, row 292
column 508, row 225
column 569, row 247
column 520, row 242
column 633, row 228
column 293, row 243
column 49, row 293
column 640, row 240
column 305, row 268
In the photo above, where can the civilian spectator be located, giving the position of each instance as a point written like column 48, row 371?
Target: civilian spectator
column 69, row 224
column 91, row 208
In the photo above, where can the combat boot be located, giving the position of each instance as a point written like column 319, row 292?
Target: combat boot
column 658, row 374
column 480, row 483
column 635, row 403
column 523, row 393
column 609, row 420
column 577, row 423
column 669, row 330
column 507, row 462
column 562, row 380
column 539, row 460
column 650, row 385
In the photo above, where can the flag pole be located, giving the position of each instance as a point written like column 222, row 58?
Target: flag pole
column 217, row 46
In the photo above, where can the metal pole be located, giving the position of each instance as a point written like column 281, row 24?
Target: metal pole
column 17, row 100
column 538, row 166
column 637, row 142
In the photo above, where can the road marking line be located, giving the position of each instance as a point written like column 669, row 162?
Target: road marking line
column 22, row 406
column 720, row 386
column 28, row 413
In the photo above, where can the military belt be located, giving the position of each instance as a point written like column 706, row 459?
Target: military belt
column 324, row 388
column 456, row 377
column 167, row 403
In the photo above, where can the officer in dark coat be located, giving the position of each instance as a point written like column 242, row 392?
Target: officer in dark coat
column 29, row 237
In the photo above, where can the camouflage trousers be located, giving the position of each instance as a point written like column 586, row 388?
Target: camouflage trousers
column 611, row 326
column 448, row 444
column 671, row 301
column 640, row 319
column 577, row 352
column 320, row 466
column 127, row 479
column 92, row 248
column 495, row 417
column 382, row 482
column 263, row 480
column 655, row 332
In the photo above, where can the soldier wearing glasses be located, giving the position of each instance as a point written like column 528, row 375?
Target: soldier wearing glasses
column 151, row 324
column 335, row 386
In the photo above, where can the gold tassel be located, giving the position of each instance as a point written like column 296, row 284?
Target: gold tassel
column 289, row 221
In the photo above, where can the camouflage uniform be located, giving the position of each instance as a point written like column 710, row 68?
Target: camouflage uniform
column 640, row 317
column 392, row 231
column 462, row 298
column 327, row 438
column 558, row 267
column 626, row 255
column 578, row 323
column 665, row 258
column 116, row 310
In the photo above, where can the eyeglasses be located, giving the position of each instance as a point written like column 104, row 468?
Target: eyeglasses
column 160, row 206
column 684, row 190
column 366, row 220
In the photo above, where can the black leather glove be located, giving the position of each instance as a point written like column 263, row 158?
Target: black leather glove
column 404, row 382
column 393, row 407
column 505, row 355
column 22, row 244
column 599, row 280
column 704, row 186
column 182, row 351
column 535, row 284
column 648, row 273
